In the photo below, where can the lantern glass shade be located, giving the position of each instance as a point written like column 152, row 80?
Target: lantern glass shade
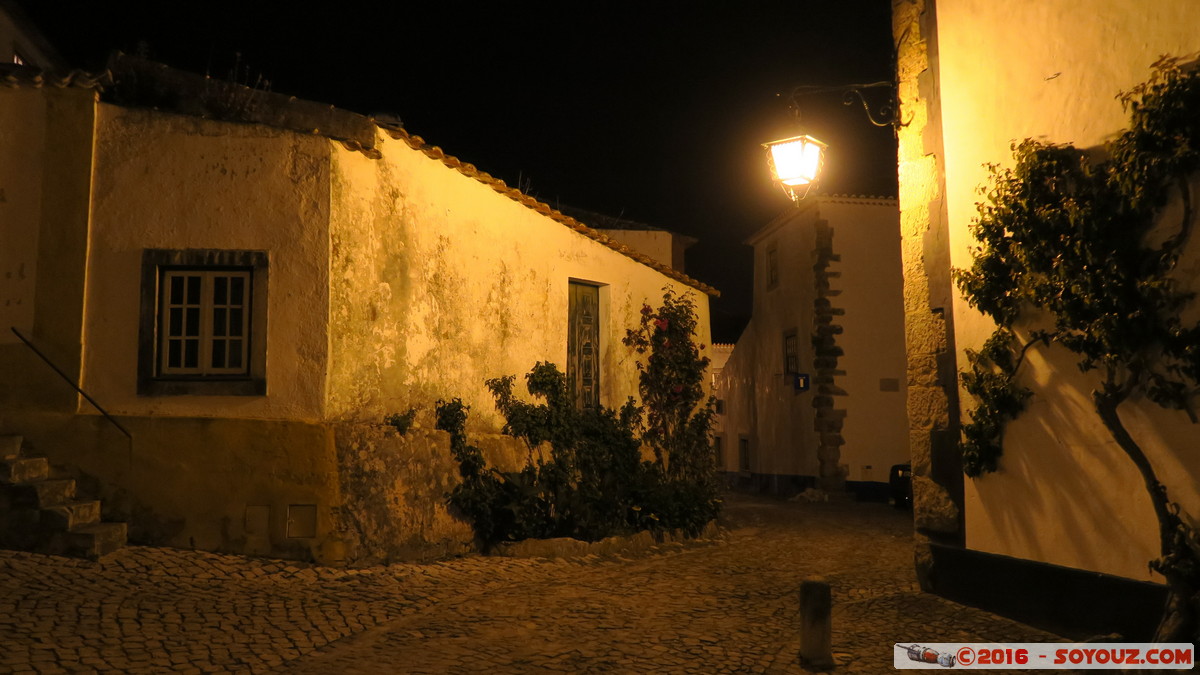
column 796, row 161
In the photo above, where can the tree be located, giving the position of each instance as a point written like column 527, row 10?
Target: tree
column 1074, row 244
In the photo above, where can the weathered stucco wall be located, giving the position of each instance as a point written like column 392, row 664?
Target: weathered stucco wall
column 761, row 404
column 239, row 486
column 45, row 156
column 866, row 239
column 859, row 422
column 1065, row 493
column 440, row 282
column 22, row 149
column 200, row 470
column 175, row 182
column 394, row 489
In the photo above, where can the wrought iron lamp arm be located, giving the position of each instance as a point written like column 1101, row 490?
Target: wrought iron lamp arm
column 884, row 116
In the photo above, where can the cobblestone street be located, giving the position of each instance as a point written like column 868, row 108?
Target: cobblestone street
column 726, row 605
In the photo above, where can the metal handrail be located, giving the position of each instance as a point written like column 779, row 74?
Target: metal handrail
column 74, row 386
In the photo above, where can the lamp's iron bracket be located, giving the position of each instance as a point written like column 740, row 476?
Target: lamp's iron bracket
column 884, row 115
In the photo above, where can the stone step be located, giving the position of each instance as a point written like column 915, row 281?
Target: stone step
column 10, row 446
column 97, row 540
column 23, row 469
column 71, row 516
column 43, row 493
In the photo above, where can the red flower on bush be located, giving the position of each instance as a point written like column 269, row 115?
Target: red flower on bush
column 661, row 324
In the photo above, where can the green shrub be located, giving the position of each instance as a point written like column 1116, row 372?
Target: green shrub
column 594, row 483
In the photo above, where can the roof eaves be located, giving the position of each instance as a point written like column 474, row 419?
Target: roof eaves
column 19, row 77
column 857, row 199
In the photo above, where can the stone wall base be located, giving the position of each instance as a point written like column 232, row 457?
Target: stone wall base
column 1074, row 603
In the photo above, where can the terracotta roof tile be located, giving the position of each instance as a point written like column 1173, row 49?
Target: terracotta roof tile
column 14, row 76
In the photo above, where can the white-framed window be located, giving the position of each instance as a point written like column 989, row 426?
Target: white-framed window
column 203, row 324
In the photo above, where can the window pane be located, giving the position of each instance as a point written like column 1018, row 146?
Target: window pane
column 204, row 324
column 237, row 291
column 235, row 353
column 193, row 290
column 193, row 322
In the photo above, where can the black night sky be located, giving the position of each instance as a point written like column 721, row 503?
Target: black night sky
column 654, row 111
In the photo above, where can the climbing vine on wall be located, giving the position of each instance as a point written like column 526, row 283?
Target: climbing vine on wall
column 1073, row 252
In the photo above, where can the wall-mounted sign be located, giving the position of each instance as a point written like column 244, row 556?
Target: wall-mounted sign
column 800, row 381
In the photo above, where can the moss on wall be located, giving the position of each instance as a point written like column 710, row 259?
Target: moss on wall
column 394, row 489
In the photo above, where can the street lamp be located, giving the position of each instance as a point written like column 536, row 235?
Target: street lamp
column 796, row 162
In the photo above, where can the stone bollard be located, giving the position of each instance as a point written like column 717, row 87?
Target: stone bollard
column 815, row 625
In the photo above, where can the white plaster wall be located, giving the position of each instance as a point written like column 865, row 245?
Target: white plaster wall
column 866, row 236
column 176, row 182
column 657, row 244
column 440, row 282
column 760, row 403
column 1065, row 493
column 22, row 146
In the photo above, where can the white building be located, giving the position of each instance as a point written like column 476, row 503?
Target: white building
column 814, row 390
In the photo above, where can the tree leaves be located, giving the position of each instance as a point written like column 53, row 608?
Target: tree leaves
column 1065, row 234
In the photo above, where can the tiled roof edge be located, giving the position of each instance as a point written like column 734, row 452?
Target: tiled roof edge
column 17, row 77
column 433, row 152
column 853, row 199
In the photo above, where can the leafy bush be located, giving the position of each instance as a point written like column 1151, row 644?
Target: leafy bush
column 678, row 416
column 594, row 483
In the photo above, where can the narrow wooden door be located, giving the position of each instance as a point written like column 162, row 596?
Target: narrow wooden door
column 583, row 345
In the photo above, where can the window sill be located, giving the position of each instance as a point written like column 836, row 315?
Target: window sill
column 202, row 387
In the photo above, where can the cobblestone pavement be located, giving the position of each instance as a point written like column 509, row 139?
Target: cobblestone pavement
column 726, row 605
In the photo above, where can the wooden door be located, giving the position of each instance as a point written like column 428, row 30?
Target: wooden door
column 583, row 345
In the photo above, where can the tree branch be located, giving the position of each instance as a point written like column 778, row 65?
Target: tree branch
column 1106, row 403
column 1171, row 247
column 1044, row 338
